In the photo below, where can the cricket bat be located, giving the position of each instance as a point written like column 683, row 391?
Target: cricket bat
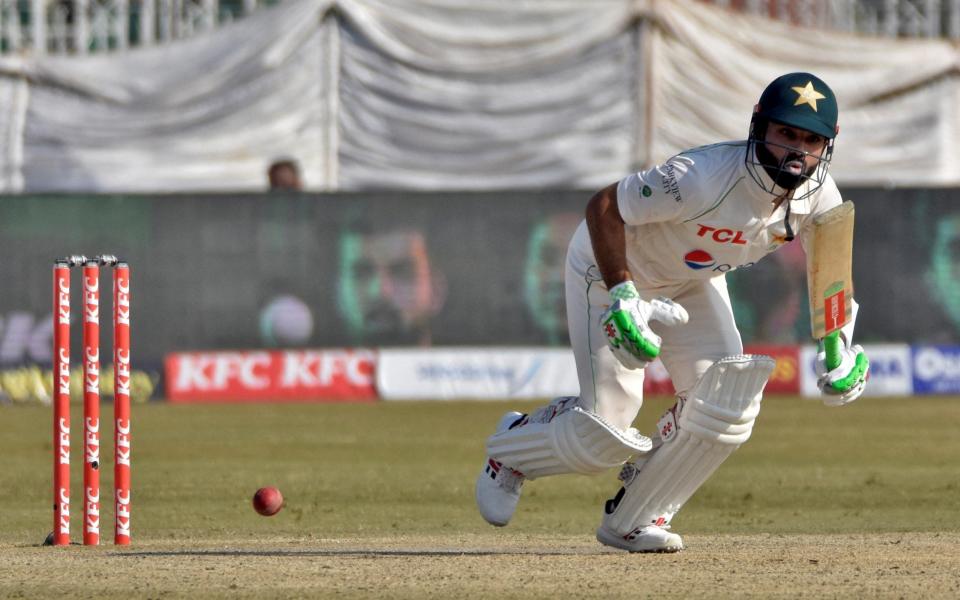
column 830, row 278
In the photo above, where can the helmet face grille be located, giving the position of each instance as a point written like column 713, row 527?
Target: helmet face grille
column 760, row 161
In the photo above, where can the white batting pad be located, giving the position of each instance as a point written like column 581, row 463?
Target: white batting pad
column 717, row 417
column 564, row 438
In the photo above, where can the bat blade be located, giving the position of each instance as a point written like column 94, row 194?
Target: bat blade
column 830, row 274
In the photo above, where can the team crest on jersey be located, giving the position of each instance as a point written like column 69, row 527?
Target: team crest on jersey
column 776, row 241
column 699, row 259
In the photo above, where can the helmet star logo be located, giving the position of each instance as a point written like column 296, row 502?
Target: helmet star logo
column 807, row 95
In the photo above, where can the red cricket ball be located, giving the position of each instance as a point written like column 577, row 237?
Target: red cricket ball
column 268, row 501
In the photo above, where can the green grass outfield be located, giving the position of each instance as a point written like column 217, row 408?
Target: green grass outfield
column 405, row 471
column 876, row 465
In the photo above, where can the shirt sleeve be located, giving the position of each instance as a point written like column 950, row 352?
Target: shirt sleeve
column 661, row 194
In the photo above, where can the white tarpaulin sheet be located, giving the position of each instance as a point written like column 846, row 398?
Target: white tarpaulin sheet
column 455, row 94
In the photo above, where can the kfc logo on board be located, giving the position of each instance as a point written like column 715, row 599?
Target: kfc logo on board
column 315, row 368
column 255, row 375
column 204, row 372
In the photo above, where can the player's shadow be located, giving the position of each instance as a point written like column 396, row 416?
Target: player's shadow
column 359, row 553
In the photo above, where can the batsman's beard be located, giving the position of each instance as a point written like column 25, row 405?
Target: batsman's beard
column 777, row 169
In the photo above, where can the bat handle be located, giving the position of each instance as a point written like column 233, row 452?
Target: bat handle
column 832, row 345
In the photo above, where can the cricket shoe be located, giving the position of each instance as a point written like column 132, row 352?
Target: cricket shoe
column 648, row 538
column 498, row 486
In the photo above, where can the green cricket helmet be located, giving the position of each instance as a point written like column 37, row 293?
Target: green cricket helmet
column 799, row 100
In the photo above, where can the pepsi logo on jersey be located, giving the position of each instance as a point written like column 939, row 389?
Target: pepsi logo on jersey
column 701, row 259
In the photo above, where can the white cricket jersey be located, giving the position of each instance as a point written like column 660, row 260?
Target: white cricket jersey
column 700, row 215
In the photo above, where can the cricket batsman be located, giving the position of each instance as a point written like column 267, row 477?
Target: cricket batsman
column 645, row 279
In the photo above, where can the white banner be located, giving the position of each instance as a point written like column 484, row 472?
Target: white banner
column 476, row 373
column 891, row 370
column 431, row 95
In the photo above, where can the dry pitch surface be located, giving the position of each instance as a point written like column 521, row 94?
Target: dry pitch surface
column 820, row 504
column 492, row 566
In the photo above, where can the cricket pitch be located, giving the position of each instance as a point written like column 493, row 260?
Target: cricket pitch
column 820, row 503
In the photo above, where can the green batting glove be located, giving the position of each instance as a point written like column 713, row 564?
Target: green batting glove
column 626, row 324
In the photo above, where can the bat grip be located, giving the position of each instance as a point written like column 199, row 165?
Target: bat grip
column 832, row 345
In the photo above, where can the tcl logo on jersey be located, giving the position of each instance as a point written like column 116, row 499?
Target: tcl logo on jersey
column 701, row 259
column 721, row 236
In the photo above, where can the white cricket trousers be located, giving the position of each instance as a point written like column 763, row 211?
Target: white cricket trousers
column 614, row 392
